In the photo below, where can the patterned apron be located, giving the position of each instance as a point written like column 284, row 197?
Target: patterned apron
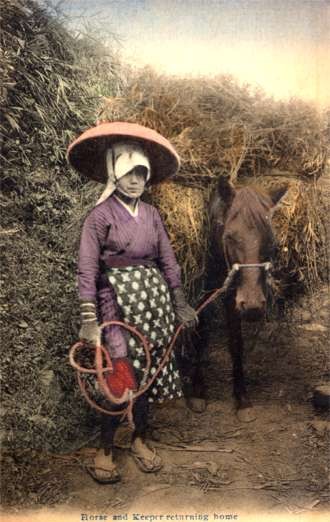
column 145, row 302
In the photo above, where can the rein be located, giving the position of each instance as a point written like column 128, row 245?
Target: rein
column 101, row 355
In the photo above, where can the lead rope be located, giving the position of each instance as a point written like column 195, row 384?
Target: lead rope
column 129, row 410
column 129, row 396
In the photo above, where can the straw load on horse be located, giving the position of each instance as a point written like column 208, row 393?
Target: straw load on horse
column 221, row 129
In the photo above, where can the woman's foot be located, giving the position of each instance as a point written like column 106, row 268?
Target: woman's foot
column 146, row 459
column 103, row 470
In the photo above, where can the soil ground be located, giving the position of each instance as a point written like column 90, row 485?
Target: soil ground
column 213, row 464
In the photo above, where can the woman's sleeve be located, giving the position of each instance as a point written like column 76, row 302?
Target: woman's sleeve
column 89, row 257
column 93, row 234
column 166, row 258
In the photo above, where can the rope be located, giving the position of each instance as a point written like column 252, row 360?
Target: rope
column 129, row 396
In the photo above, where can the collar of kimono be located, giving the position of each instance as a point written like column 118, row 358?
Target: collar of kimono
column 121, row 199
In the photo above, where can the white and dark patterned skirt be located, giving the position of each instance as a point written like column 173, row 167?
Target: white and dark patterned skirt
column 145, row 302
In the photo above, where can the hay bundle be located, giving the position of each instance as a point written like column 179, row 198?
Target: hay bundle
column 300, row 231
column 220, row 128
column 183, row 210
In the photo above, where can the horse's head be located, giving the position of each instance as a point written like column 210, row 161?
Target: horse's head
column 247, row 239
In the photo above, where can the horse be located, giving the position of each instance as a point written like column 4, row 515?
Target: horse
column 241, row 240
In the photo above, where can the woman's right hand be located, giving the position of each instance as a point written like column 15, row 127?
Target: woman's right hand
column 90, row 331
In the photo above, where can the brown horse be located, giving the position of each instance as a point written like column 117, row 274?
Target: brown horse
column 241, row 237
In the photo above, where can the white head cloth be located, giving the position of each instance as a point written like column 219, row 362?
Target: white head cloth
column 121, row 159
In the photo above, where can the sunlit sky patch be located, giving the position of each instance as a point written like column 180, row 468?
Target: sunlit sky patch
column 281, row 46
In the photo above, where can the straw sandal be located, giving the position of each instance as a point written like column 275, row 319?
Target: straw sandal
column 147, row 465
column 112, row 476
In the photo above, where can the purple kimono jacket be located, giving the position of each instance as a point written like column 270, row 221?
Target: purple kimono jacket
column 111, row 236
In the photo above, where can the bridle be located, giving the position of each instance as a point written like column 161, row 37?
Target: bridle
column 267, row 266
column 236, row 267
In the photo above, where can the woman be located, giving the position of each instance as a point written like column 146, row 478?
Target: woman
column 128, row 271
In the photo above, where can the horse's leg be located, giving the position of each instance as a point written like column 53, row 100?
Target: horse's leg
column 201, row 344
column 245, row 411
column 190, row 358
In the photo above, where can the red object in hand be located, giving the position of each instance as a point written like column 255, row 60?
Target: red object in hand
column 121, row 378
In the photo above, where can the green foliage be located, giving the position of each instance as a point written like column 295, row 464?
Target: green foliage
column 52, row 83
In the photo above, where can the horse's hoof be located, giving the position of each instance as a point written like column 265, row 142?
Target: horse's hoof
column 196, row 405
column 321, row 397
column 246, row 414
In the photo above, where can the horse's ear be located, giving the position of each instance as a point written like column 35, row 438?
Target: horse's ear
column 226, row 190
column 276, row 194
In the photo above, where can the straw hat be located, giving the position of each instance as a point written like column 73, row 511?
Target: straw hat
column 87, row 154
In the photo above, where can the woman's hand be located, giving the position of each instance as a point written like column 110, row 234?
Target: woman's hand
column 184, row 312
column 89, row 330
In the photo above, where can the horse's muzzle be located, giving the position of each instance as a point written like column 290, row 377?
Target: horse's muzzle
column 252, row 314
column 251, row 303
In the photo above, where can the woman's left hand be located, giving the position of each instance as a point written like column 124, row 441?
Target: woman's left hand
column 184, row 312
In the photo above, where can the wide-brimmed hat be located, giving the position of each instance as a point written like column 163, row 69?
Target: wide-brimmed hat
column 87, row 154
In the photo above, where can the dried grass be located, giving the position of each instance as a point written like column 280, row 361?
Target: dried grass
column 183, row 210
column 301, row 233
column 300, row 228
column 220, row 128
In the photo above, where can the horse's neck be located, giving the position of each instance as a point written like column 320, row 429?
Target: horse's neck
column 215, row 264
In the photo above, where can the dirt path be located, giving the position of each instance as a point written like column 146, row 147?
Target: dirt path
column 276, row 465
